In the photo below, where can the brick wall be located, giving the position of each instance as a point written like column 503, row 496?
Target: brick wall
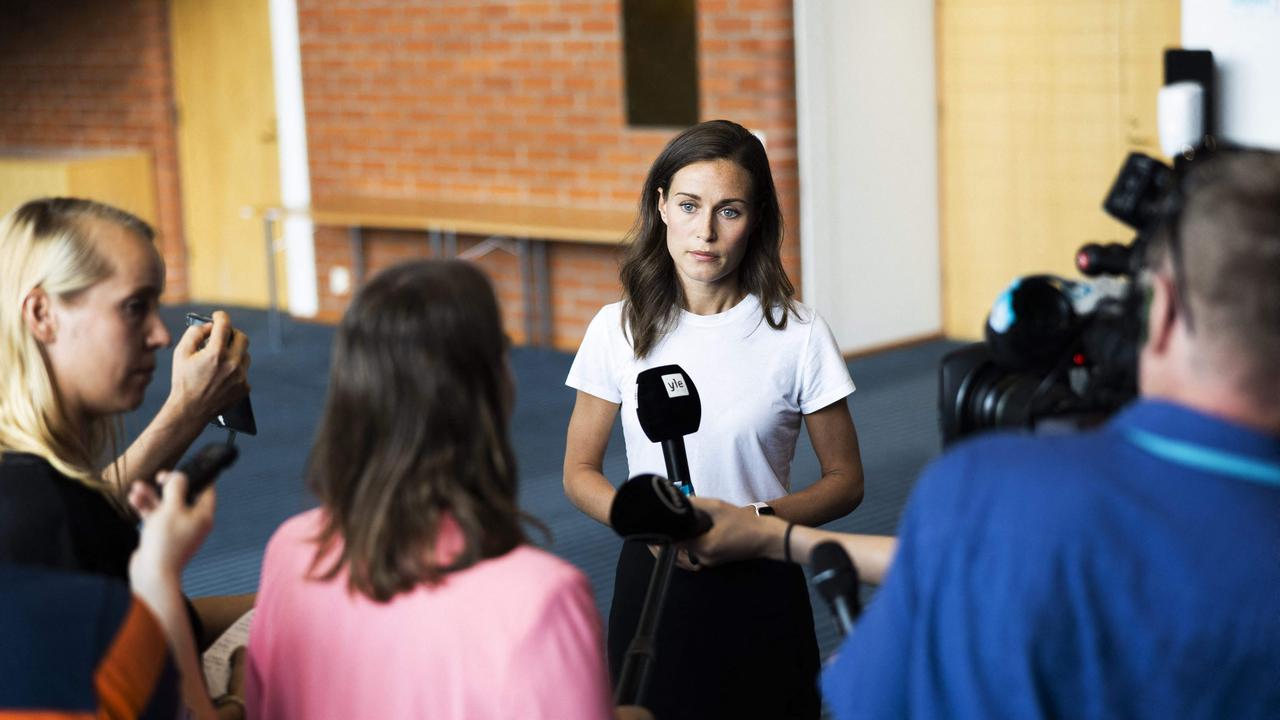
column 85, row 74
column 518, row 102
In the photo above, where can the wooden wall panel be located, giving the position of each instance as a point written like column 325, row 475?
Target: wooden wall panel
column 1038, row 105
column 225, row 97
column 124, row 179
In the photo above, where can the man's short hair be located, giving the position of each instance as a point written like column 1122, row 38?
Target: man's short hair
column 1229, row 236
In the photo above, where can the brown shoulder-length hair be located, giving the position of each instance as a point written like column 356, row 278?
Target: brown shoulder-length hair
column 651, row 291
column 415, row 429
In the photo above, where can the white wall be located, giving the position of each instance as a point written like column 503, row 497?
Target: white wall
column 295, row 174
column 868, row 152
column 1244, row 36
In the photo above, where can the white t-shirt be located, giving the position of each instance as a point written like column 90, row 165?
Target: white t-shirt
column 754, row 382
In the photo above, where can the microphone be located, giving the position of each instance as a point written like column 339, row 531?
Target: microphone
column 836, row 580
column 1031, row 323
column 650, row 509
column 668, row 407
column 648, row 506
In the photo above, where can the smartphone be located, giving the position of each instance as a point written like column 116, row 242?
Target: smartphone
column 203, row 468
column 238, row 417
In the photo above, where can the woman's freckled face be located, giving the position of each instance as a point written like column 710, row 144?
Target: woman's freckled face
column 707, row 211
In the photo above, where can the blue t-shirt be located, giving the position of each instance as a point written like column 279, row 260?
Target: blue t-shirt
column 1129, row 572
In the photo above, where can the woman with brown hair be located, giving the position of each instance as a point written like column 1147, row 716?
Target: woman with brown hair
column 704, row 288
column 412, row 591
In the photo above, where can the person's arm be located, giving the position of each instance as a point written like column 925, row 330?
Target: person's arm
column 585, row 444
column 737, row 535
column 171, row 533
column 206, row 380
column 839, row 489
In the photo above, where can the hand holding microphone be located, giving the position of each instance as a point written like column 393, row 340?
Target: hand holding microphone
column 735, row 533
column 651, row 509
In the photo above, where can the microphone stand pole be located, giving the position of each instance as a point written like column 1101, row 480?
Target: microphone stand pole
column 635, row 667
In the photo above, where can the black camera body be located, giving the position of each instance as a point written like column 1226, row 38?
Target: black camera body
column 1059, row 352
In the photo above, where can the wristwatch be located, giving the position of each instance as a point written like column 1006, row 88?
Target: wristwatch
column 762, row 509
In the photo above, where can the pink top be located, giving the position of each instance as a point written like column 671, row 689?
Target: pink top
column 513, row 637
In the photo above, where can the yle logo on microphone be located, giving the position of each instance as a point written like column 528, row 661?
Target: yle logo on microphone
column 675, row 385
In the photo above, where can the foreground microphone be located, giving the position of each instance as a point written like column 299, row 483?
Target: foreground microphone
column 668, row 406
column 836, row 580
column 650, row 509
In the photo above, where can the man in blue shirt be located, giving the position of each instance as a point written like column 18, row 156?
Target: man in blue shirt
column 1132, row 571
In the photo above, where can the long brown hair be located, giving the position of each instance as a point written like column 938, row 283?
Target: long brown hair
column 651, row 292
column 415, row 429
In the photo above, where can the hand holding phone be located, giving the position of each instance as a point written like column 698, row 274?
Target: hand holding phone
column 203, row 468
column 239, row 417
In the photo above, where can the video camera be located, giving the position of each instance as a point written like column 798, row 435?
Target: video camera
column 1057, row 350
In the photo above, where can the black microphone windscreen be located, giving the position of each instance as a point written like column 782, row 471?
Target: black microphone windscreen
column 1031, row 323
column 833, row 572
column 649, row 507
column 667, row 403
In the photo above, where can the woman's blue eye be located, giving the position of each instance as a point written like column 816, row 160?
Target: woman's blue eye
column 687, row 207
column 730, row 213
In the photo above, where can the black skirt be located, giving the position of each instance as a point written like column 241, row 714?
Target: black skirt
column 735, row 641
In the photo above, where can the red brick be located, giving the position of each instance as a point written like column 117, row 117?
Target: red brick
column 97, row 75
column 526, row 106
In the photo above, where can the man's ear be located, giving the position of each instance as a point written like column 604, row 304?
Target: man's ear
column 37, row 313
column 1161, row 313
column 662, row 206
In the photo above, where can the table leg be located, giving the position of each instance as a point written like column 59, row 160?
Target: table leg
column 273, row 309
column 437, row 245
column 526, row 284
column 542, row 289
column 357, row 256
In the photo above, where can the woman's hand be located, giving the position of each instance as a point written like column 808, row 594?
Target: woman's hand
column 210, row 369
column 231, row 705
column 736, row 533
column 172, row 531
column 206, row 380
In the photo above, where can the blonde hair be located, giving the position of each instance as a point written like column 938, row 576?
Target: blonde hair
column 47, row 244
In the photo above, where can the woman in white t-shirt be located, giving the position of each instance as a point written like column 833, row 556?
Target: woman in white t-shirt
column 704, row 288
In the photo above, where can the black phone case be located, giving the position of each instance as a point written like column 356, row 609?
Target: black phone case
column 238, row 417
column 204, row 467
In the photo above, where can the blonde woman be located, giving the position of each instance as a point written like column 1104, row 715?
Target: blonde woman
column 80, row 284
